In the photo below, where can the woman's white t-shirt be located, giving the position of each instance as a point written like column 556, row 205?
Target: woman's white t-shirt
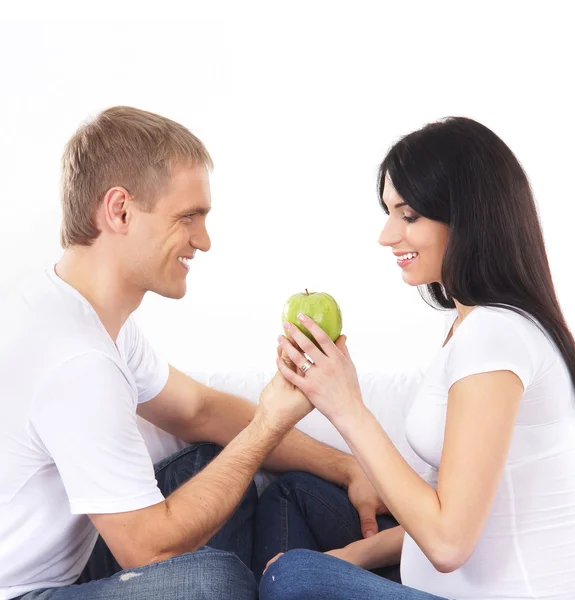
column 527, row 548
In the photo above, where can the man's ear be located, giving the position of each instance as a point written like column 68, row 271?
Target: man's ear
column 116, row 209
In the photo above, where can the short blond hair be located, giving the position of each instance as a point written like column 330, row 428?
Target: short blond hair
column 121, row 146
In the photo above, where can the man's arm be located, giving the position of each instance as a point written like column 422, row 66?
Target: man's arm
column 192, row 514
column 195, row 412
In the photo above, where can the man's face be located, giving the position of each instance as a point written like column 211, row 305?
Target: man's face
column 163, row 242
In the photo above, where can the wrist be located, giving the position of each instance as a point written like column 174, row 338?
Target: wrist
column 350, row 470
column 353, row 422
column 358, row 553
column 266, row 424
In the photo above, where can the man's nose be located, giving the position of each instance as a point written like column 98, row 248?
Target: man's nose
column 202, row 240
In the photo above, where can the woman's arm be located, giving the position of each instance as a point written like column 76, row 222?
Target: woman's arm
column 446, row 522
column 380, row 550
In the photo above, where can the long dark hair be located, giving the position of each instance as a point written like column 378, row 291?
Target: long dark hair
column 458, row 172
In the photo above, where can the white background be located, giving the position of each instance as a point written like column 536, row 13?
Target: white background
column 297, row 103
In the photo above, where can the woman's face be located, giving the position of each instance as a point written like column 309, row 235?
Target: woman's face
column 407, row 232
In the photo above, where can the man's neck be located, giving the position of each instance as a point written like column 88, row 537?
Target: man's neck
column 102, row 284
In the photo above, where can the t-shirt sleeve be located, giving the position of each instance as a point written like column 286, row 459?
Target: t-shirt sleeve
column 149, row 369
column 84, row 416
column 490, row 341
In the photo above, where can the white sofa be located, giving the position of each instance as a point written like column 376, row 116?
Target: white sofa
column 387, row 395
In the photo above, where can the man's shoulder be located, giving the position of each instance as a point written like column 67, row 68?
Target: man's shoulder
column 42, row 326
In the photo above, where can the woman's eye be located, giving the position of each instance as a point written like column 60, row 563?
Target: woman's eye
column 410, row 219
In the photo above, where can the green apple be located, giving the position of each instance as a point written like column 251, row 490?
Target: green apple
column 321, row 307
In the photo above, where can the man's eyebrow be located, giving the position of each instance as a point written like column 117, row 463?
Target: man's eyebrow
column 195, row 210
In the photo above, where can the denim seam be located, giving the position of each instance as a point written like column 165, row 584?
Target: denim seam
column 285, row 525
column 321, row 501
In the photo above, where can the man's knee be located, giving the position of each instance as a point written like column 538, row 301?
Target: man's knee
column 290, row 483
column 220, row 575
column 196, row 455
column 206, row 574
column 179, row 468
column 173, row 471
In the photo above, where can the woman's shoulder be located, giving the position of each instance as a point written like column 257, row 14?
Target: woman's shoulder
column 496, row 338
column 509, row 317
column 504, row 326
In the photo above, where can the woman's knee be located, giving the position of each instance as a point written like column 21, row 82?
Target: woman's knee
column 285, row 578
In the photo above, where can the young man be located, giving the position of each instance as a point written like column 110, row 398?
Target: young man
column 75, row 370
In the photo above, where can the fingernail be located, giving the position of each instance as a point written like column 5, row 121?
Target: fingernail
column 301, row 317
column 287, row 325
column 369, row 533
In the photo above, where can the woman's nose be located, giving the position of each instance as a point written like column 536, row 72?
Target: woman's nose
column 389, row 236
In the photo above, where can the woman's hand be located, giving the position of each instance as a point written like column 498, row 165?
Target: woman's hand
column 350, row 554
column 272, row 560
column 381, row 550
column 331, row 383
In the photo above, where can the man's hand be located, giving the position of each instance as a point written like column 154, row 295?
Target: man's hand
column 282, row 403
column 281, row 400
column 366, row 501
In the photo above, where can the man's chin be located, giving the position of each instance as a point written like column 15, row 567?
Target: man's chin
column 179, row 294
column 174, row 293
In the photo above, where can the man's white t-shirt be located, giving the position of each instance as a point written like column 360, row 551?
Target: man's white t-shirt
column 69, row 440
column 527, row 548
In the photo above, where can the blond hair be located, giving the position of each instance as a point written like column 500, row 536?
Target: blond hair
column 122, row 146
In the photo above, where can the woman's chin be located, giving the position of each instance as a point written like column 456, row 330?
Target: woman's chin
column 410, row 279
column 414, row 281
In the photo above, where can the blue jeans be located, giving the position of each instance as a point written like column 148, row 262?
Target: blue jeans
column 300, row 511
column 218, row 571
column 309, row 575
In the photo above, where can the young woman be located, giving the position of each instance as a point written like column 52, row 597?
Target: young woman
column 494, row 415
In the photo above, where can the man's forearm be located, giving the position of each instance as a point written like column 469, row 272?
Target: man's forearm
column 226, row 415
column 299, row 452
column 199, row 508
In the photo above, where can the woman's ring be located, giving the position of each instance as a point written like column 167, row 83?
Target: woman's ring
column 306, row 367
